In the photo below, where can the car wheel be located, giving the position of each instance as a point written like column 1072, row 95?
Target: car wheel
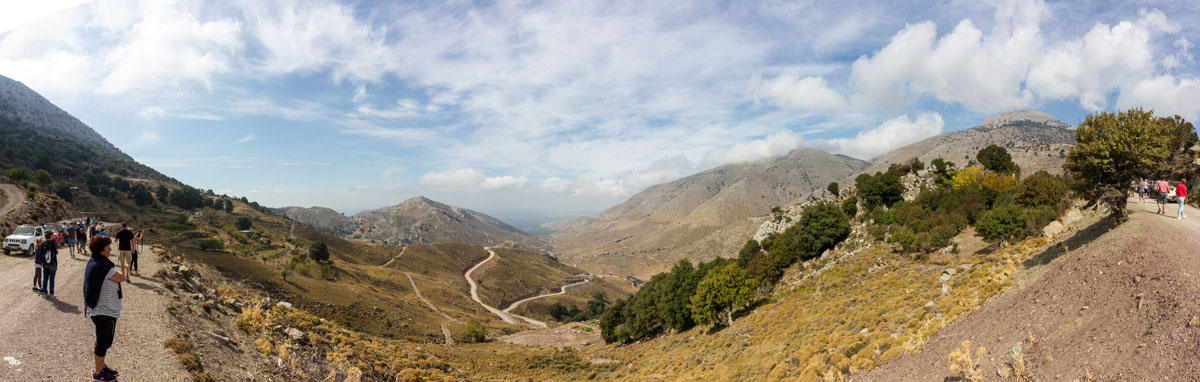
column 7, row 252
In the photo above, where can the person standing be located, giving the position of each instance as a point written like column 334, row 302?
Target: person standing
column 125, row 247
column 137, row 244
column 1143, row 188
column 1181, row 198
column 48, row 251
column 81, row 239
column 71, row 239
column 1162, row 188
column 91, row 232
column 102, row 303
column 38, row 260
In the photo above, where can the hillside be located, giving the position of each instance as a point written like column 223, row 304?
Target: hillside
column 417, row 220
column 699, row 217
column 1036, row 141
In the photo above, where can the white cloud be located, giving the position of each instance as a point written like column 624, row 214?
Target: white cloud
column 391, row 171
column 460, row 178
column 247, row 138
column 167, row 46
column 152, row 112
column 503, row 182
column 555, row 185
column 1166, row 95
column 811, row 93
column 1089, row 68
column 405, row 107
column 776, row 144
column 889, row 135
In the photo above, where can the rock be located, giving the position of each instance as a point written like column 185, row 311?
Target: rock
column 284, row 304
column 1004, row 371
column 1016, row 349
column 295, row 334
column 1194, row 322
column 944, row 279
column 1053, row 229
column 230, row 302
column 945, row 289
column 950, row 271
column 586, row 343
column 1072, row 216
column 930, row 307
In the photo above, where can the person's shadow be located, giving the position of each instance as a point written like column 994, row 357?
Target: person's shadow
column 64, row 307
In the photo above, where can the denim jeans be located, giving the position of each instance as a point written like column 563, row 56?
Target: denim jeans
column 48, row 272
column 1181, row 201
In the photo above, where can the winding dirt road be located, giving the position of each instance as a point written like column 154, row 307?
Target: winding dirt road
column 561, row 290
column 475, row 290
column 389, row 262
column 417, row 291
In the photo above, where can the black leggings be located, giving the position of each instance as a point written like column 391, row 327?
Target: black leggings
column 106, row 329
column 133, row 261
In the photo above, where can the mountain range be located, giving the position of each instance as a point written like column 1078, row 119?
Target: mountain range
column 417, row 220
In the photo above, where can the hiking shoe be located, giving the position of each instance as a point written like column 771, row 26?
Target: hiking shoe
column 101, row 377
column 109, row 372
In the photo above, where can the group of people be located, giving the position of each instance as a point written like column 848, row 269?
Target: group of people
column 102, row 279
column 1162, row 190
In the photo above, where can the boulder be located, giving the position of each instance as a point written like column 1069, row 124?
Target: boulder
column 295, row 334
column 1052, row 229
column 1072, row 216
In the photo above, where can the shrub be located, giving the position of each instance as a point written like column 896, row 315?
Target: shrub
column 17, row 174
column 850, row 206
column 916, row 165
column 748, row 251
column 43, row 178
column 63, row 190
column 211, row 245
column 721, row 292
column 1041, row 189
column 319, row 251
column 833, row 188
column 904, row 237
column 1002, row 223
column 142, row 197
column 764, row 268
column 476, row 332
column 243, row 223
column 187, row 198
column 881, row 189
column 821, row 226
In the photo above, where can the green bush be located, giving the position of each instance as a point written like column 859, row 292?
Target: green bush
column 17, row 174
column 904, row 237
column 63, row 190
column 833, row 188
column 820, row 227
column 319, row 251
column 722, row 292
column 916, row 165
column 748, row 251
column 476, row 332
column 1002, row 223
column 881, row 189
column 850, row 206
column 1041, row 189
column 211, row 245
column 43, row 178
column 243, row 223
column 764, row 268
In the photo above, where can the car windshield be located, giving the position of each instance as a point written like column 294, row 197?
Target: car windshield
column 52, row 228
column 24, row 231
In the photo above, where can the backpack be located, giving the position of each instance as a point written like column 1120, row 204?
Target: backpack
column 39, row 254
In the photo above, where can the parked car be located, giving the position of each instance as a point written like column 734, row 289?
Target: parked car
column 23, row 239
column 60, row 233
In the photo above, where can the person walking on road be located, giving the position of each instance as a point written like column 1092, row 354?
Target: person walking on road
column 70, row 243
column 48, row 251
column 37, row 266
column 125, row 246
column 1181, row 198
column 1162, row 188
column 1143, row 187
column 102, row 300
column 81, row 238
column 137, row 244
column 91, row 232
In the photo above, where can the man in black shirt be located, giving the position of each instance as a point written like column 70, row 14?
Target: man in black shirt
column 125, row 246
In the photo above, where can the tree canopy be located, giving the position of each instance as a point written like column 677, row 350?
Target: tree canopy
column 996, row 158
column 722, row 292
column 1113, row 148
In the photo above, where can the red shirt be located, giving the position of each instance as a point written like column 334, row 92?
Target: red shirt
column 1181, row 190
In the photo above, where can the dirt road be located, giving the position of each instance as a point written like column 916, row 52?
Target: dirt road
column 417, row 292
column 12, row 198
column 51, row 339
column 562, row 290
column 390, row 261
column 1120, row 305
column 475, row 289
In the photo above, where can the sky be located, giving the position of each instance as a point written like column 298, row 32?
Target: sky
column 531, row 110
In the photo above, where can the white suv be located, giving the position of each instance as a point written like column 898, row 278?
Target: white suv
column 23, row 239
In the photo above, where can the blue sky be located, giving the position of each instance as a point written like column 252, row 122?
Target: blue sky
column 531, row 110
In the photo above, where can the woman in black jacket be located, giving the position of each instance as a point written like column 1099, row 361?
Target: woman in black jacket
column 102, row 302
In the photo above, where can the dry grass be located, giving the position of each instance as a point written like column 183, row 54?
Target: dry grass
column 182, row 347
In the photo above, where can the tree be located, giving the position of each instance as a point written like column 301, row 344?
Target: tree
column 162, row 193
column 243, row 223
column 821, row 226
column 850, row 206
column 722, row 291
column 63, row 190
column 476, row 332
column 881, row 189
column 916, row 165
column 833, row 189
column 228, row 206
column 764, row 268
column 1041, row 189
column 17, row 174
column 43, row 178
column 1112, row 149
column 142, row 197
column 748, row 251
column 187, row 198
column 1003, row 223
column 319, row 251
column 997, row 159
column 610, row 323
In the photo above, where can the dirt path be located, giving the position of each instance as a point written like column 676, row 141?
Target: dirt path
column 562, row 290
column 417, row 291
column 475, row 289
column 50, row 339
column 12, row 199
column 389, row 262
column 1120, row 305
